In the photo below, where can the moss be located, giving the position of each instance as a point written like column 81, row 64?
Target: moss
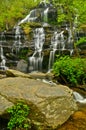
column 31, row 24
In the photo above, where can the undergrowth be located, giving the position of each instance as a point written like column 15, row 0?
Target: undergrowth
column 19, row 117
column 70, row 70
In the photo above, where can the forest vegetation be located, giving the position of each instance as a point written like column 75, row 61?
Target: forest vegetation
column 13, row 11
column 67, row 70
column 71, row 11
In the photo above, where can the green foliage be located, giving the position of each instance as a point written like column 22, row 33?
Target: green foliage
column 73, row 70
column 70, row 9
column 14, row 10
column 23, row 54
column 18, row 116
column 61, row 18
column 27, row 27
column 81, row 41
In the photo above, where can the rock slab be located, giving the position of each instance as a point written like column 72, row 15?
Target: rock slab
column 50, row 105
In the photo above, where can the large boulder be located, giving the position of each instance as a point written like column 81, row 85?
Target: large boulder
column 50, row 105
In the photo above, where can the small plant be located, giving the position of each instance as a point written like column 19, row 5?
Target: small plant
column 23, row 54
column 71, row 70
column 19, row 117
column 81, row 41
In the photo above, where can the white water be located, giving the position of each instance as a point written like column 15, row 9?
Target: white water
column 79, row 97
column 3, row 59
column 35, row 62
column 34, row 14
column 17, row 41
column 62, row 40
column 70, row 40
column 57, row 43
column 30, row 17
column 45, row 19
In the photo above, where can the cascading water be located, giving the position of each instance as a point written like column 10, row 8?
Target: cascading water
column 30, row 17
column 70, row 40
column 17, row 41
column 45, row 15
column 35, row 61
column 79, row 97
column 2, row 38
column 57, row 43
column 60, row 42
column 3, row 59
column 36, row 15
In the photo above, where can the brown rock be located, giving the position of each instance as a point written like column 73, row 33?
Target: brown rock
column 16, row 73
column 50, row 105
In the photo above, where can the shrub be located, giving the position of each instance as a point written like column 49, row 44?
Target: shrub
column 71, row 70
column 18, row 116
column 81, row 41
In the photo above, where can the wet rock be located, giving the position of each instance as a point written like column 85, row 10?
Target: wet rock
column 22, row 66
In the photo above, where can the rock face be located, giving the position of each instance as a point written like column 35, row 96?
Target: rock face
column 15, row 73
column 50, row 105
column 22, row 66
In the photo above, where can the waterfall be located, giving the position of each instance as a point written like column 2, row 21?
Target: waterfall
column 57, row 43
column 44, row 14
column 79, row 98
column 2, row 38
column 35, row 61
column 17, row 41
column 54, row 43
column 70, row 40
column 62, row 41
column 3, row 59
column 45, row 18
column 30, row 17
